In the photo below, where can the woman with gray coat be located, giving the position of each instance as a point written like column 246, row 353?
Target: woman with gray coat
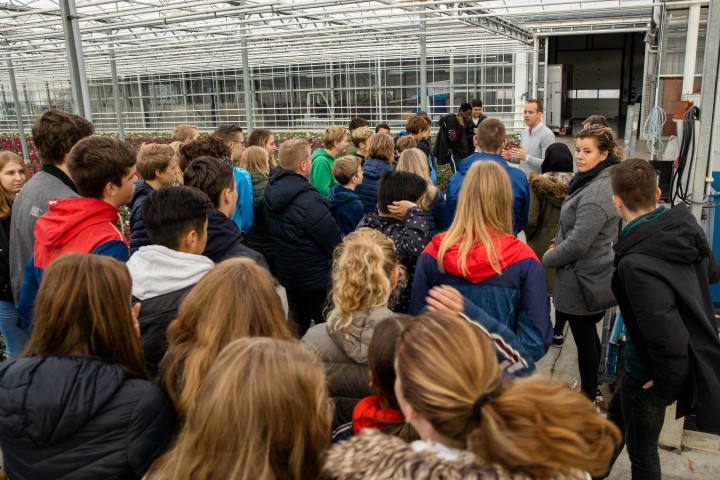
column 365, row 272
column 588, row 227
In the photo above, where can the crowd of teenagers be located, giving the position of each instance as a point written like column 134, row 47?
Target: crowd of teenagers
column 286, row 314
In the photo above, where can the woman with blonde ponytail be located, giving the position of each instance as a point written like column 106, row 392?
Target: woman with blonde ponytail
column 480, row 257
column 365, row 273
column 473, row 422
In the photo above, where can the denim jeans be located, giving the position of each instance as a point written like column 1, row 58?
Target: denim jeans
column 639, row 414
column 15, row 339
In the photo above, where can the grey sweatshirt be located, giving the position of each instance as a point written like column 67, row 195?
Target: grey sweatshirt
column 30, row 204
column 535, row 143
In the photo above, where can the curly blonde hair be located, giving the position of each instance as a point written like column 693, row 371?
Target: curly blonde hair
column 362, row 275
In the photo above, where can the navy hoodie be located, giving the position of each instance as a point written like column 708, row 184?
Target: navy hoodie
column 140, row 237
column 346, row 208
column 224, row 240
column 305, row 233
column 367, row 190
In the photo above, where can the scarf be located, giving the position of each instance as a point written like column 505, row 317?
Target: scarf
column 582, row 179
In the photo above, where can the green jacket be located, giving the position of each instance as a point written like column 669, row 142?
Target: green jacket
column 547, row 193
column 321, row 171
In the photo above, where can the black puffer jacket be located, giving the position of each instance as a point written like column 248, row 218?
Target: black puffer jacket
column 139, row 237
column 5, row 289
column 224, row 240
column 305, row 233
column 79, row 418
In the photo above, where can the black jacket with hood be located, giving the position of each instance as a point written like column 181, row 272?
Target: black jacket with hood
column 79, row 417
column 305, row 233
column 140, row 236
column 663, row 271
column 224, row 240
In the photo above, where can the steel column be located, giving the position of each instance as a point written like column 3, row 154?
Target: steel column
column 116, row 95
column 691, row 43
column 246, row 77
column 423, row 66
column 18, row 110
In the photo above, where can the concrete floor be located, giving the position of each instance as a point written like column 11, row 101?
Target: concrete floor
column 695, row 464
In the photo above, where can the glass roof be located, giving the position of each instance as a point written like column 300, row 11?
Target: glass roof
column 175, row 35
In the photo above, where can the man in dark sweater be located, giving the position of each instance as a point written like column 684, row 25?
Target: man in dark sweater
column 663, row 270
column 214, row 177
column 55, row 133
column 305, row 234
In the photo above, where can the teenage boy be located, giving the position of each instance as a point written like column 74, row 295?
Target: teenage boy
column 419, row 129
column 403, row 221
column 534, row 139
column 162, row 274
column 476, row 118
column 382, row 128
column 451, row 145
column 490, row 140
column 360, row 137
column 214, row 177
column 345, row 205
column 663, row 270
column 232, row 136
column 54, row 134
column 104, row 172
column 355, row 123
column 334, row 143
column 304, row 231
column 185, row 133
column 157, row 167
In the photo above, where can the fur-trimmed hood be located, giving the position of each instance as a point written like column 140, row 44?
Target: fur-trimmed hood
column 372, row 455
column 552, row 185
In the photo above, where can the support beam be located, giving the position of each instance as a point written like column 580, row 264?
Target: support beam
column 76, row 61
column 709, row 104
column 423, row 66
column 691, row 44
column 246, row 78
column 536, row 67
column 545, row 77
column 18, row 110
column 116, row 96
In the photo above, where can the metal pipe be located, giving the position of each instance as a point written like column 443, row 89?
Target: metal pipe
column 545, row 75
column 691, row 44
column 246, row 80
column 116, row 95
column 18, row 111
column 536, row 67
column 423, row 66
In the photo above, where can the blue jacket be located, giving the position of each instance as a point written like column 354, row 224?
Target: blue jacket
column 435, row 216
column 520, row 188
column 367, row 190
column 305, row 233
column 243, row 215
column 140, row 237
column 517, row 297
column 346, row 208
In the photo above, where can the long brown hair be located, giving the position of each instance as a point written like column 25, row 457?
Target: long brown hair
column 7, row 198
column 236, row 299
column 83, row 308
column 484, row 211
column 262, row 413
column 446, row 364
column 415, row 161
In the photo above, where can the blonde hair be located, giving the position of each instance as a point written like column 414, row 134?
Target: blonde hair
column 345, row 168
column 256, row 160
column 180, row 176
column 262, row 413
column 484, row 213
column 415, row 161
column 381, row 146
column 236, row 299
column 333, row 135
column 405, row 143
column 446, row 364
column 183, row 132
column 6, row 198
column 360, row 135
column 292, row 153
column 361, row 275
column 153, row 157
